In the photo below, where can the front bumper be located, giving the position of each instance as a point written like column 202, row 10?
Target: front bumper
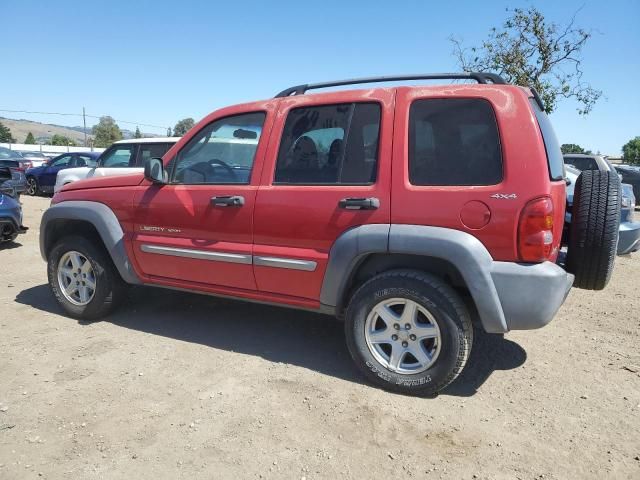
column 629, row 238
column 530, row 294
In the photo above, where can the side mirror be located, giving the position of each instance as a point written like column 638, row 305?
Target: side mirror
column 154, row 170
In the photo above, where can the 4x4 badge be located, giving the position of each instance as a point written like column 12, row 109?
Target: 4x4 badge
column 504, row 196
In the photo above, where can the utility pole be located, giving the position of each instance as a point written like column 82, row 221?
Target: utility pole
column 84, row 121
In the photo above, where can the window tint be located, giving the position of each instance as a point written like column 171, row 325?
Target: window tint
column 151, row 150
column 222, row 152
column 9, row 163
column 118, row 156
column 330, row 144
column 453, row 142
column 551, row 144
column 582, row 163
column 62, row 161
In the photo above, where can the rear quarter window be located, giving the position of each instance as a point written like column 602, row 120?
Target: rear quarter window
column 551, row 144
column 454, row 142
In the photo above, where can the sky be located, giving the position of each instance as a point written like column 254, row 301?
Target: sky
column 156, row 62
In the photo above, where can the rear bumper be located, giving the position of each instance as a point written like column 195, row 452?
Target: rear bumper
column 629, row 238
column 530, row 294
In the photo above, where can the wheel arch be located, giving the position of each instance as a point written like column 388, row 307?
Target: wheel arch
column 456, row 256
column 92, row 219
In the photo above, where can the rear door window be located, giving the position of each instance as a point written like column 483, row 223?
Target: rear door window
column 454, row 142
column 330, row 144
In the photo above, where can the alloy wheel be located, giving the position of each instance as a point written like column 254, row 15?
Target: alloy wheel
column 403, row 336
column 76, row 278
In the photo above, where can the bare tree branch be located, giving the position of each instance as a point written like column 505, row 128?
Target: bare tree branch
column 530, row 51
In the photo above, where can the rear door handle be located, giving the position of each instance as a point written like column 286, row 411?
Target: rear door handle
column 370, row 203
column 228, row 201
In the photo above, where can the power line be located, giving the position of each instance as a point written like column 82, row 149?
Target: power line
column 80, row 115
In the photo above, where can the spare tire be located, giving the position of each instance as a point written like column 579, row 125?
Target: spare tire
column 593, row 235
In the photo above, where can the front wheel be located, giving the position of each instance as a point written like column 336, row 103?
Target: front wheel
column 408, row 332
column 32, row 186
column 83, row 278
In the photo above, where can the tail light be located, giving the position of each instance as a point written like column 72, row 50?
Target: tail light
column 535, row 231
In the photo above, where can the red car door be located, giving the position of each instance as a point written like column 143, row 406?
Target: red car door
column 327, row 154
column 197, row 228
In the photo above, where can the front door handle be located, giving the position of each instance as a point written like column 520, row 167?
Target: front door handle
column 228, row 201
column 370, row 203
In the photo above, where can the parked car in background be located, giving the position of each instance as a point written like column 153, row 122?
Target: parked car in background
column 13, row 179
column 42, row 179
column 125, row 156
column 36, row 158
column 12, row 159
column 10, row 215
column 631, row 175
column 588, row 162
column 629, row 231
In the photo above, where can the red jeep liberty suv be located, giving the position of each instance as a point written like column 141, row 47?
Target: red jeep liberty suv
column 401, row 210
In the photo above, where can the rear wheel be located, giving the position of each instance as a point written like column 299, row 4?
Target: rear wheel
column 32, row 186
column 408, row 332
column 83, row 279
column 593, row 234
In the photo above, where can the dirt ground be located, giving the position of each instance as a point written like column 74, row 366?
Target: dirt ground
column 179, row 385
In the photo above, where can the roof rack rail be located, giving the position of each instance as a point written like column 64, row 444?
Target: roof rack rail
column 480, row 77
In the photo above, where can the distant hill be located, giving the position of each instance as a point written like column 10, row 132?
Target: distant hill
column 44, row 131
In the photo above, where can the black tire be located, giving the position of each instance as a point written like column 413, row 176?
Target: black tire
column 593, row 234
column 32, row 187
column 444, row 305
column 109, row 286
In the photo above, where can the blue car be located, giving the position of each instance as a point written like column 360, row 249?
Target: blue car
column 10, row 215
column 42, row 179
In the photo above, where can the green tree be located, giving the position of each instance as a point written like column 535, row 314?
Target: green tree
column 530, row 51
column 138, row 134
column 631, row 151
column 5, row 134
column 30, row 140
column 106, row 132
column 183, row 126
column 571, row 148
column 62, row 140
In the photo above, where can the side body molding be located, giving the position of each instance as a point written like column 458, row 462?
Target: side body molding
column 461, row 249
column 104, row 221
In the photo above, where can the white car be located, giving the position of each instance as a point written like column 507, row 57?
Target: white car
column 123, row 157
column 37, row 159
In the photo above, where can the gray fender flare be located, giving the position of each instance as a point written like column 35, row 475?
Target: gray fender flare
column 104, row 221
column 461, row 249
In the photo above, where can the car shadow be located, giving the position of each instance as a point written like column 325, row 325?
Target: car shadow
column 296, row 337
column 9, row 245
